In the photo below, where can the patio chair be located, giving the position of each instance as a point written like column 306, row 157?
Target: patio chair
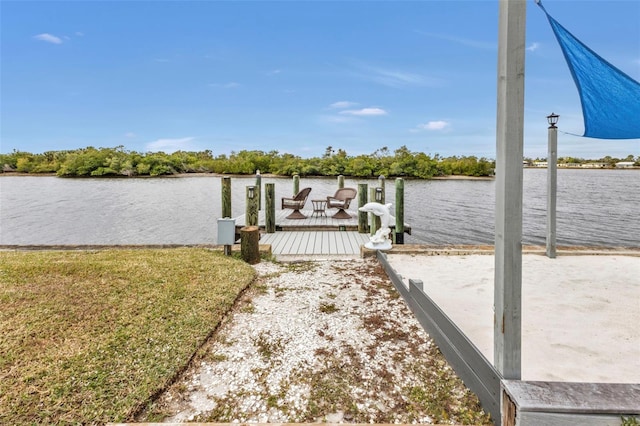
column 341, row 200
column 296, row 203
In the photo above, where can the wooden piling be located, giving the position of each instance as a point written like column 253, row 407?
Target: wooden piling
column 296, row 184
column 340, row 182
column 226, row 196
column 399, row 233
column 259, row 189
column 249, row 244
column 374, row 221
column 363, row 226
column 252, row 206
column 270, row 208
column 381, row 184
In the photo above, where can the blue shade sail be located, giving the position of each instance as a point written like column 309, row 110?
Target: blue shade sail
column 610, row 98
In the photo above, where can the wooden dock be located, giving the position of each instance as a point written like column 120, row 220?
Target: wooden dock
column 314, row 235
column 311, row 223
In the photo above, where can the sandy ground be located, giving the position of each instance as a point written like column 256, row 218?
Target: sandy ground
column 322, row 341
column 580, row 314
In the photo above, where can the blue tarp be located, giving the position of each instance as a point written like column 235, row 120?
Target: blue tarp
column 610, row 98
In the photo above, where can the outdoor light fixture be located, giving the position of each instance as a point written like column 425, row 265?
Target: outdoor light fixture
column 379, row 194
column 252, row 191
column 553, row 120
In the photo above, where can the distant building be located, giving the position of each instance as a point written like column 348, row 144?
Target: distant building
column 624, row 165
column 540, row 164
column 594, row 165
column 570, row 165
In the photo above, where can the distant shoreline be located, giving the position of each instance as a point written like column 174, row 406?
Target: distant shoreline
column 273, row 176
column 264, row 175
column 584, row 168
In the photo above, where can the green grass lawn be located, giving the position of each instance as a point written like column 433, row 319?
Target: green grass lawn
column 90, row 336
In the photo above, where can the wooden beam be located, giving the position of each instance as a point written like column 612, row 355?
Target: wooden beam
column 509, row 176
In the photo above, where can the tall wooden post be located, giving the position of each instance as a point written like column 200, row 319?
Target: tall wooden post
column 362, row 216
column 374, row 221
column 381, row 184
column 296, row 184
column 270, row 208
column 399, row 234
column 509, row 153
column 552, row 189
column 340, row 182
column 252, row 207
column 259, row 185
column 226, row 196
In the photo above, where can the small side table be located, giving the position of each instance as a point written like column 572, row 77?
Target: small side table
column 319, row 207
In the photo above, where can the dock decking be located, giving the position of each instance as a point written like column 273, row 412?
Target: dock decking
column 315, row 242
column 314, row 235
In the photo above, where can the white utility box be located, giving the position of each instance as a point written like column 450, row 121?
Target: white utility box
column 226, row 231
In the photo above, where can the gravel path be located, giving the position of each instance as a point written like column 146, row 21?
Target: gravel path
column 320, row 341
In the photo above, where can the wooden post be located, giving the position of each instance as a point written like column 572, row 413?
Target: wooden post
column 226, row 196
column 340, row 182
column 374, row 221
column 259, row 185
column 552, row 189
column 379, row 199
column 251, row 215
column 363, row 227
column 270, row 208
column 381, row 184
column 249, row 244
column 399, row 234
column 296, row 184
column 507, row 333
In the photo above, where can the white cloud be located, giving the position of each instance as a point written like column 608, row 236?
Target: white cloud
column 129, row 135
column 230, row 85
column 342, row 105
column 434, row 125
column 48, row 38
column 534, row 46
column 394, row 78
column 79, row 34
column 336, row 119
column 274, row 72
column 463, row 41
column 364, row 112
column 171, row 145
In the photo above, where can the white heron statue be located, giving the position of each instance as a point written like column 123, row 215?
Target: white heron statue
column 380, row 240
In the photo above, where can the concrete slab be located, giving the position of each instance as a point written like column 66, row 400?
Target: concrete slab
column 580, row 313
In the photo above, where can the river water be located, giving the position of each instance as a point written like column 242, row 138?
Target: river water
column 594, row 208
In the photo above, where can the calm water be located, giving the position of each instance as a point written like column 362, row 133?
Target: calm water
column 595, row 207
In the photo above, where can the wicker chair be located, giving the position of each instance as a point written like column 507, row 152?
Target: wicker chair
column 296, row 204
column 341, row 200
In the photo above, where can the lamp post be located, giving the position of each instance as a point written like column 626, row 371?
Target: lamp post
column 379, row 194
column 552, row 184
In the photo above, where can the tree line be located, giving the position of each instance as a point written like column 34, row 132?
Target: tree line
column 118, row 161
column 607, row 160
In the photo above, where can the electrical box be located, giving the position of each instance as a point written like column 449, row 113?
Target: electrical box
column 226, row 231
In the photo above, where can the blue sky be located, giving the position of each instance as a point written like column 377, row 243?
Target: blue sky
column 293, row 76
